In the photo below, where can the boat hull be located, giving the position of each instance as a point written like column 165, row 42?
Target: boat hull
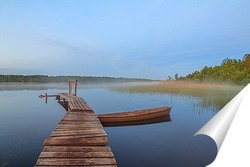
column 136, row 117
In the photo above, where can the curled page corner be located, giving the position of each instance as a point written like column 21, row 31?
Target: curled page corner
column 225, row 128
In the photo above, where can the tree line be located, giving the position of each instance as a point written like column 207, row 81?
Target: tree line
column 231, row 70
column 46, row 78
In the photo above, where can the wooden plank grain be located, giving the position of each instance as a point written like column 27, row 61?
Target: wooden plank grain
column 79, row 130
column 73, row 136
column 78, row 126
column 76, row 155
column 75, row 165
column 80, row 116
column 78, row 140
column 77, row 135
column 81, row 119
column 76, row 149
column 89, row 123
column 76, row 161
column 85, row 130
column 76, row 102
column 85, row 104
column 86, row 112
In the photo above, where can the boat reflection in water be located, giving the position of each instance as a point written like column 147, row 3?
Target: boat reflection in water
column 138, row 117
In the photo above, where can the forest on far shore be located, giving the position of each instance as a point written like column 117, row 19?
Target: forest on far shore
column 235, row 71
column 230, row 70
column 46, row 78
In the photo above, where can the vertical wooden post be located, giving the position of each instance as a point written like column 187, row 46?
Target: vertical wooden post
column 58, row 98
column 75, row 86
column 46, row 97
column 70, row 87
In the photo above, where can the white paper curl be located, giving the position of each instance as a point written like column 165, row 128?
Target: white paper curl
column 230, row 129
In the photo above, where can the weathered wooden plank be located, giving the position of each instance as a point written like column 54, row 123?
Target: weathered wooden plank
column 79, row 134
column 72, row 135
column 78, row 140
column 76, row 155
column 82, row 121
column 63, row 122
column 75, row 165
column 87, row 118
column 71, row 107
column 82, row 126
column 86, row 130
column 76, row 149
column 76, row 102
column 58, row 136
column 80, row 104
column 85, row 104
column 94, row 141
column 75, row 126
column 80, row 118
column 76, row 161
column 88, row 112
column 67, row 96
column 78, row 123
column 75, row 134
column 78, row 131
column 94, row 129
column 78, row 126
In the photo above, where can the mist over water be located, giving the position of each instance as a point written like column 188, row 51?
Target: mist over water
column 25, row 121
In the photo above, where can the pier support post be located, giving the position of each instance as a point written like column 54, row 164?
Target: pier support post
column 75, row 87
column 46, row 98
column 71, row 87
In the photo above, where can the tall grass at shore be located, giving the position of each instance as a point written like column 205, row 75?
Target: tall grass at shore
column 210, row 94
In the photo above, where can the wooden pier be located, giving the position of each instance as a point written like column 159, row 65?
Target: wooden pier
column 79, row 138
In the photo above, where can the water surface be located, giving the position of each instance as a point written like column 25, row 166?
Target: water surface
column 25, row 121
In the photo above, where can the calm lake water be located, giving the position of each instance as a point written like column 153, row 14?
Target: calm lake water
column 25, row 121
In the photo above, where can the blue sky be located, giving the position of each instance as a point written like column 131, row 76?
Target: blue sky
column 134, row 38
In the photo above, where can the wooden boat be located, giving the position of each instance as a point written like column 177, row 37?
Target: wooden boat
column 137, row 117
column 140, row 122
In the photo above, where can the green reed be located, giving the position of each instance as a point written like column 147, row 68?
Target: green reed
column 218, row 95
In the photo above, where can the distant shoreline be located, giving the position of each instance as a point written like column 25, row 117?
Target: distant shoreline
column 49, row 79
